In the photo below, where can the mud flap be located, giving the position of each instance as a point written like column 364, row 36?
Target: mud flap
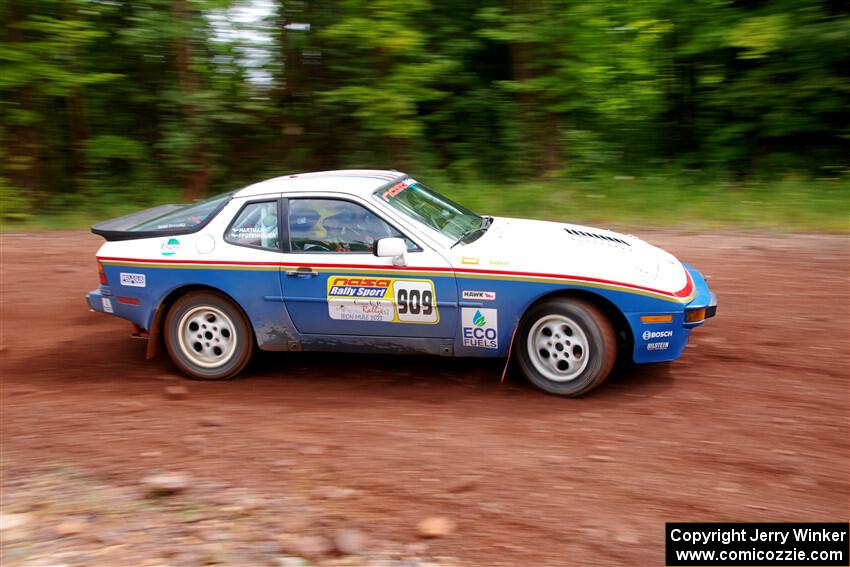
column 154, row 333
column 510, row 352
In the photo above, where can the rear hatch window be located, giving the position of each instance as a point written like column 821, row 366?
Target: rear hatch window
column 163, row 220
column 190, row 216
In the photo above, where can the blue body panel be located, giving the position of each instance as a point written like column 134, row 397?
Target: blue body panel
column 261, row 294
column 256, row 291
column 307, row 303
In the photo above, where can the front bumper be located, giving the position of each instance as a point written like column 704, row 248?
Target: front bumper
column 665, row 338
column 711, row 310
column 705, row 301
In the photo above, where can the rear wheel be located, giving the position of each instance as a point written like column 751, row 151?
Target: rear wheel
column 208, row 337
column 566, row 346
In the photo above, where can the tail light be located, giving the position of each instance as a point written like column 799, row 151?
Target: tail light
column 101, row 273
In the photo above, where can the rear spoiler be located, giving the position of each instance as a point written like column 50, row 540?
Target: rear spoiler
column 119, row 228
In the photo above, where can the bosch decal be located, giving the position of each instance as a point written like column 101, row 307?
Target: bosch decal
column 480, row 327
column 656, row 335
column 132, row 280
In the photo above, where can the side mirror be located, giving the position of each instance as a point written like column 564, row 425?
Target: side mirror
column 394, row 248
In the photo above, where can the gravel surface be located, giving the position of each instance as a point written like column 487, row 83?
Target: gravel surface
column 361, row 460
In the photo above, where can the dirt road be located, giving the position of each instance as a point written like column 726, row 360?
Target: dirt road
column 752, row 423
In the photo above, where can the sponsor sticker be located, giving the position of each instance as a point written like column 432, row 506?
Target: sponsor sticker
column 658, row 346
column 395, row 190
column 468, row 260
column 391, row 300
column 107, row 305
column 361, row 310
column 480, row 327
column 170, row 247
column 133, row 280
column 656, row 335
column 479, row 295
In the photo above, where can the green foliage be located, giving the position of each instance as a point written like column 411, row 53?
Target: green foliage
column 388, row 71
column 137, row 102
column 14, row 205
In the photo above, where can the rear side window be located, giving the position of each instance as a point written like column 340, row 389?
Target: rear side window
column 256, row 225
column 188, row 217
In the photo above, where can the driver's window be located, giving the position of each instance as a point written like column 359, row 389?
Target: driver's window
column 333, row 225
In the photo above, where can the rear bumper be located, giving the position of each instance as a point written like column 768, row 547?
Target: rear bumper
column 99, row 302
column 103, row 301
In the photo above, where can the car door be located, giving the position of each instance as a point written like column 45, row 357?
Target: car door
column 334, row 284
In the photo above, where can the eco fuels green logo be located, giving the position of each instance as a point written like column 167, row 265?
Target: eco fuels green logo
column 478, row 319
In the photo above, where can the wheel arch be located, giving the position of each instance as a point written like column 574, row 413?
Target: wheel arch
column 625, row 337
column 157, row 320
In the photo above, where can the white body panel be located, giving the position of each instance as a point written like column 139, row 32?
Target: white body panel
column 515, row 245
column 519, row 245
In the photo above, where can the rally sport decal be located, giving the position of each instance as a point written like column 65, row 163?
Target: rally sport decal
column 389, row 300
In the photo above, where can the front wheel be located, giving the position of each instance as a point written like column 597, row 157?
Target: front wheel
column 566, row 346
column 208, row 337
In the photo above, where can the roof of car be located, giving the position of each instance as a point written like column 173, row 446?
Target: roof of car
column 358, row 181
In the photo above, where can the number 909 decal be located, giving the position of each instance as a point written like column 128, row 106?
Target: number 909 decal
column 389, row 300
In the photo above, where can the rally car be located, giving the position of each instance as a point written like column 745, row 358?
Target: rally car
column 374, row 261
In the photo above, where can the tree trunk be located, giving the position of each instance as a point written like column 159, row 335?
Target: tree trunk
column 22, row 152
column 198, row 180
column 78, row 133
column 552, row 141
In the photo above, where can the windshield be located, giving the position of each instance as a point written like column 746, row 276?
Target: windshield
column 430, row 208
column 189, row 216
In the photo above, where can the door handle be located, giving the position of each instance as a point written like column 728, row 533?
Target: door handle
column 302, row 273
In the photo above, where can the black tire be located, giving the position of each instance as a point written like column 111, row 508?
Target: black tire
column 224, row 323
column 586, row 355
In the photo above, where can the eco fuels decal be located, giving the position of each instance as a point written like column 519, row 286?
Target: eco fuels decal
column 388, row 300
column 480, row 327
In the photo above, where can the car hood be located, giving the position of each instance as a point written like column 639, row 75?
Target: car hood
column 540, row 247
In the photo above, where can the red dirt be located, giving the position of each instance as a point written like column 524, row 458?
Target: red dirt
column 751, row 425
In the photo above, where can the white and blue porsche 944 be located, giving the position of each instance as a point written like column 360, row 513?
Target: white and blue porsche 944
column 374, row 261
